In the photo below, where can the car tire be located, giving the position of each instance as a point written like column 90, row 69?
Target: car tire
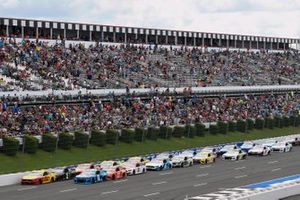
column 214, row 160
column 144, row 170
column 191, row 164
column 52, row 180
column 206, row 161
column 40, row 181
column 124, row 175
column 133, row 172
column 161, row 168
column 113, row 177
column 182, row 165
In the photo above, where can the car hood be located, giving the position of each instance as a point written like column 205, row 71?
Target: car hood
column 30, row 177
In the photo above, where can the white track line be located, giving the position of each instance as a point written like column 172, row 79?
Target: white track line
column 165, row 173
column 27, row 188
column 159, row 183
column 205, row 166
column 272, row 162
column 274, row 170
column 239, row 168
column 151, row 194
column 121, row 181
column 200, row 184
column 109, row 192
column 202, row 175
column 68, row 190
column 242, row 176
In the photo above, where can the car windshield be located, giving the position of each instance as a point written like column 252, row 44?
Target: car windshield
column 36, row 174
column 228, row 147
column 84, row 166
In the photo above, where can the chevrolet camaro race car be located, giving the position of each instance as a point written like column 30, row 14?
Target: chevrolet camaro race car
column 235, row 154
column 205, row 157
column 159, row 164
column 262, row 150
column 282, row 147
column 39, row 177
column 182, row 161
column 134, row 168
column 91, row 176
column 64, row 173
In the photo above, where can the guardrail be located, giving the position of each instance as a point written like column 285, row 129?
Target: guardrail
column 141, row 91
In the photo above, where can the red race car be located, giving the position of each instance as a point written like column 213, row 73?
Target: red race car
column 114, row 173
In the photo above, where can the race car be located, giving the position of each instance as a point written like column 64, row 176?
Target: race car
column 91, row 176
column 213, row 150
column 159, row 164
column 246, row 146
column 294, row 140
column 133, row 168
column 282, row 147
column 116, row 172
column 269, row 143
column 226, row 148
column 137, row 159
column 38, row 177
column 182, row 161
column 64, row 173
column 205, row 157
column 109, row 163
column 262, row 150
column 84, row 166
column 235, row 154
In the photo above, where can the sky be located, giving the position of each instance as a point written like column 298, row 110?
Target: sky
column 278, row 18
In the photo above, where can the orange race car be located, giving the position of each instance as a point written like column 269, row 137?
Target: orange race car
column 114, row 173
column 39, row 177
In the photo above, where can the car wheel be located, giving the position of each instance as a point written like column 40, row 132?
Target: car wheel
column 52, row 179
column 284, row 150
column 244, row 156
column 133, row 172
column 191, row 163
column 182, row 165
column 40, row 181
column 144, row 171
column 161, row 168
column 113, row 177
column 214, row 160
column 124, row 175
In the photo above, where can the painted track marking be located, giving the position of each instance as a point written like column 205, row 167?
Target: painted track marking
column 277, row 169
column 202, row 175
column 200, row 184
column 165, row 173
column 68, row 190
column 27, row 188
column 109, row 192
column 159, row 183
column 272, row 162
column 121, row 181
column 242, row 176
column 151, row 194
column 239, row 168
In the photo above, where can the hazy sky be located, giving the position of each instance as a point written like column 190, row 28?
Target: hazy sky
column 256, row 17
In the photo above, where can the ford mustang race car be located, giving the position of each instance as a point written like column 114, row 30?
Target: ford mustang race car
column 116, row 172
column 64, row 173
column 91, row 176
column 282, row 147
column 227, row 148
column 246, row 146
column 182, row 161
column 205, row 157
column 109, row 163
column 133, row 168
column 39, row 177
column 137, row 159
column 262, row 150
column 159, row 164
column 235, row 154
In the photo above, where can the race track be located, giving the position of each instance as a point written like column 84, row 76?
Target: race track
column 167, row 185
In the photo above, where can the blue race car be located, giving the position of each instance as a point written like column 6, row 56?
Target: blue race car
column 91, row 176
column 159, row 164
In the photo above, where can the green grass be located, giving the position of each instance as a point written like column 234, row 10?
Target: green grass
column 42, row 159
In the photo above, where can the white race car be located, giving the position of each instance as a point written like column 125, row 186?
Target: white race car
column 159, row 164
column 235, row 154
column 260, row 150
column 269, row 143
column 227, row 148
column 134, row 168
column 246, row 146
column 282, row 147
column 182, row 161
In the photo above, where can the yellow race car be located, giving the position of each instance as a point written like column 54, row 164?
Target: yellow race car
column 204, row 158
column 37, row 177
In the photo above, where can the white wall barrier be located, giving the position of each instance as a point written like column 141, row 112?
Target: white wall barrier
column 11, row 179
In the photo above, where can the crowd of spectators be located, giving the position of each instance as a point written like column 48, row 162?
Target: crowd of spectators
column 35, row 65
column 123, row 112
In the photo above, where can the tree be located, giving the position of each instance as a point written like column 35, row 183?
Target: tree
column 49, row 142
column 213, row 129
column 140, row 134
column 10, row 146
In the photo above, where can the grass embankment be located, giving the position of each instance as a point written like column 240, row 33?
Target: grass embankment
column 42, row 159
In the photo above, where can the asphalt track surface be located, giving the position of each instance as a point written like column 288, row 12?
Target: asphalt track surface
column 167, row 185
